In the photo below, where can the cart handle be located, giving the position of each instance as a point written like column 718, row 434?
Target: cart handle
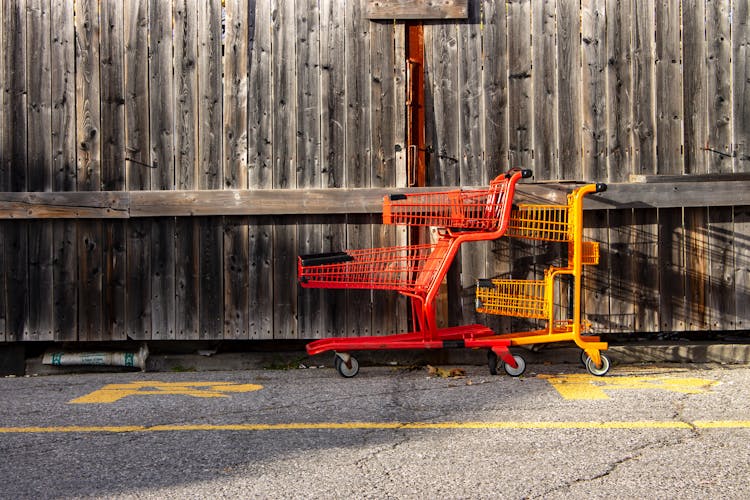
column 525, row 173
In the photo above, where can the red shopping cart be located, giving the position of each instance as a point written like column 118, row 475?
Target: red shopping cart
column 416, row 271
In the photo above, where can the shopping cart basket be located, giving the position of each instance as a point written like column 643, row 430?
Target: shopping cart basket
column 535, row 299
column 416, row 271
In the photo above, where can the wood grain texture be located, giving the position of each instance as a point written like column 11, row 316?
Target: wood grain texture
column 619, row 91
column 594, row 90
column 644, row 126
column 569, row 80
column 694, row 86
column 544, row 83
column 520, row 123
column 741, row 84
column 719, row 85
column 669, row 103
column 416, row 9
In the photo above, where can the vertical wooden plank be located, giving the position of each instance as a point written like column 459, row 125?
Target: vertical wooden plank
column 619, row 91
column 39, row 99
column 358, row 151
column 569, row 88
column 162, row 124
column 697, row 269
column 14, row 147
column 260, row 133
column 671, row 270
column 694, row 77
column 545, row 89
column 138, row 171
column 333, row 150
column 210, row 112
column 696, row 161
column 308, row 153
column 719, row 85
column 88, row 131
column 622, row 271
column 721, row 254
column 495, row 119
column 187, row 242
column 441, row 101
column 741, row 84
column 65, row 271
column 260, row 234
column 596, row 289
column 113, row 166
column 472, row 172
column 519, row 85
column 646, row 284
column 236, row 243
column 741, row 275
column 284, row 166
column 667, row 61
column 594, row 89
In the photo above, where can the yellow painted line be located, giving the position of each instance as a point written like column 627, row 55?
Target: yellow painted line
column 111, row 393
column 546, row 425
column 585, row 386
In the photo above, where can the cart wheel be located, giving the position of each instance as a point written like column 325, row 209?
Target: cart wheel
column 346, row 370
column 518, row 371
column 593, row 370
column 492, row 362
column 584, row 358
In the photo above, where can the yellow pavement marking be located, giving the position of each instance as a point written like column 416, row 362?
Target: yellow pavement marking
column 114, row 392
column 553, row 425
column 584, row 386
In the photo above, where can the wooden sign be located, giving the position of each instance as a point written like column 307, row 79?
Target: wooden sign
column 417, row 9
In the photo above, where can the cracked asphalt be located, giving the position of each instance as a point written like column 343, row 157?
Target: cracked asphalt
column 667, row 431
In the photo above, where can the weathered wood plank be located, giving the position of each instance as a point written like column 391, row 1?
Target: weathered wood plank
column 544, row 83
column 671, row 263
column 260, row 296
column 569, row 120
column 65, row 271
column 89, row 133
column 741, row 275
column 619, row 91
column 210, row 107
column 210, row 152
column 187, row 243
column 595, row 293
column 358, row 149
column 416, row 9
column 669, row 112
column 39, row 175
column 308, row 154
column 441, row 99
column 519, row 87
column 113, row 167
column 644, row 128
column 112, row 96
column 472, row 171
column 697, row 269
column 138, row 166
column 593, row 91
column 236, row 244
column 136, row 21
column 622, row 271
column 114, row 241
column 741, row 84
column 162, row 124
column 645, row 265
column 211, row 312
column 259, row 113
column 721, row 254
column 694, row 86
column 719, row 85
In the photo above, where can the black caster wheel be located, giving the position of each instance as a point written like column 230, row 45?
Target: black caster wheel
column 518, row 370
column 346, row 369
column 493, row 362
column 600, row 371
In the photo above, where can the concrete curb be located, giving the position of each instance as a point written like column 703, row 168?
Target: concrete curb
column 694, row 352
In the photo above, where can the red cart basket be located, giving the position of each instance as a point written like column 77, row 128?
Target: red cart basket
column 416, row 271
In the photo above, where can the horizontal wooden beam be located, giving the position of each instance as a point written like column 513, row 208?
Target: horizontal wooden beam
column 133, row 204
column 417, row 9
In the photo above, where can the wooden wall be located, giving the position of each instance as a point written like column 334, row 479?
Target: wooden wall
column 113, row 95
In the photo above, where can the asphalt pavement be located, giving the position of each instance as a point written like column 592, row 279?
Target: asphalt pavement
column 656, row 430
